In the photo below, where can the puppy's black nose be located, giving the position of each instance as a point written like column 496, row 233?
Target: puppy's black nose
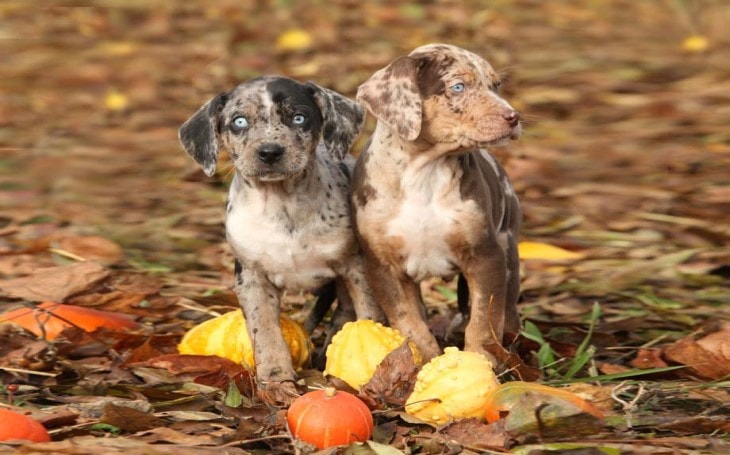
column 270, row 153
column 512, row 117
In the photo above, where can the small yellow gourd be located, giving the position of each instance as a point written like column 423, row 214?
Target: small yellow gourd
column 226, row 336
column 452, row 386
column 359, row 347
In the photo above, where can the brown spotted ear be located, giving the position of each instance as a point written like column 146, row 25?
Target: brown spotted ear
column 342, row 120
column 199, row 134
column 392, row 96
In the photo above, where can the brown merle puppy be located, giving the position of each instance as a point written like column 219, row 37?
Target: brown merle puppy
column 288, row 211
column 430, row 200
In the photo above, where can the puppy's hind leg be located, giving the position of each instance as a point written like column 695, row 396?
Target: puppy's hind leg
column 512, row 324
column 344, row 312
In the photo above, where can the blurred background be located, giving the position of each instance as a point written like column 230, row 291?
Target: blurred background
column 625, row 155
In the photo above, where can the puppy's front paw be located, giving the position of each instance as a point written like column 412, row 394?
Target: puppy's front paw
column 279, row 394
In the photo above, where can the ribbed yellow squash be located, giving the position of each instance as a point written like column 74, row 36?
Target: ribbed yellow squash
column 227, row 336
column 359, row 347
column 452, row 386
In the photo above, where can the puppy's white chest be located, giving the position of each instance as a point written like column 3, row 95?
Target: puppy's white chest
column 295, row 251
column 427, row 223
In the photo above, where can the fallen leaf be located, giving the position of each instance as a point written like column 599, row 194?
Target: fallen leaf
column 718, row 344
column 294, row 39
column 648, row 358
column 547, row 252
column 116, row 101
column 370, row 448
column 207, row 370
column 695, row 43
column 55, row 283
column 530, row 408
column 698, row 425
column 49, row 319
column 91, row 248
column 708, row 357
column 474, row 433
column 93, row 407
column 612, row 368
column 393, row 380
column 129, row 419
column 171, row 436
column 86, row 445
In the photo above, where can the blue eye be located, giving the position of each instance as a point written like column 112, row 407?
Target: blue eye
column 240, row 122
column 298, row 119
column 458, row 88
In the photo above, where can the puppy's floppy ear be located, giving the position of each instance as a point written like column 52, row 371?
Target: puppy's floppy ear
column 342, row 120
column 392, row 96
column 199, row 134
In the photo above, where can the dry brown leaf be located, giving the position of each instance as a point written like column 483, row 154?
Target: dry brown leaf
column 474, row 433
column 718, row 344
column 185, row 364
column 648, row 358
column 55, row 283
column 91, row 248
column 170, row 436
column 393, row 380
column 204, row 369
column 129, row 419
column 91, row 445
column 707, row 357
column 698, row 425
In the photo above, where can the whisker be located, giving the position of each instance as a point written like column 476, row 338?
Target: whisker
column 226, row 171
column 508, row 71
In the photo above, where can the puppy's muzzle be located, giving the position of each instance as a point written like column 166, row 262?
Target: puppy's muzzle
column 512, row 117
column 270, row 153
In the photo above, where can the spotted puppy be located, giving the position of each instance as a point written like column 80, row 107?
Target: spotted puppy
column 288, row 212
column 430, row 200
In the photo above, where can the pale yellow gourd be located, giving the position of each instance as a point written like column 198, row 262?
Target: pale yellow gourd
column 358, row 348
column 452, row 386
column 226, row 336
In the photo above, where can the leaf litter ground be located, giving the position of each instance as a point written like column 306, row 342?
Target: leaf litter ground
column 624, row 161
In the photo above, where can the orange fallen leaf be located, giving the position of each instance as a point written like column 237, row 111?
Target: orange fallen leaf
column 528, row 408
column 52, row 318
column 508, row 395
column 648, row 358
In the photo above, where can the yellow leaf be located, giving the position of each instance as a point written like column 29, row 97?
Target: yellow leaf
column 537, row 250
column 115, row 101
column 118, row 48
column 695, row 43
column 294, row 39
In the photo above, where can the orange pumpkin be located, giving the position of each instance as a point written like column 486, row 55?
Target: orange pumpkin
column 507, row 395
column 51, row 318
column 329, row 417
column 16, row 426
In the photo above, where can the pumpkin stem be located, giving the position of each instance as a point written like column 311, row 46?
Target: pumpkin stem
column 329, row 392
